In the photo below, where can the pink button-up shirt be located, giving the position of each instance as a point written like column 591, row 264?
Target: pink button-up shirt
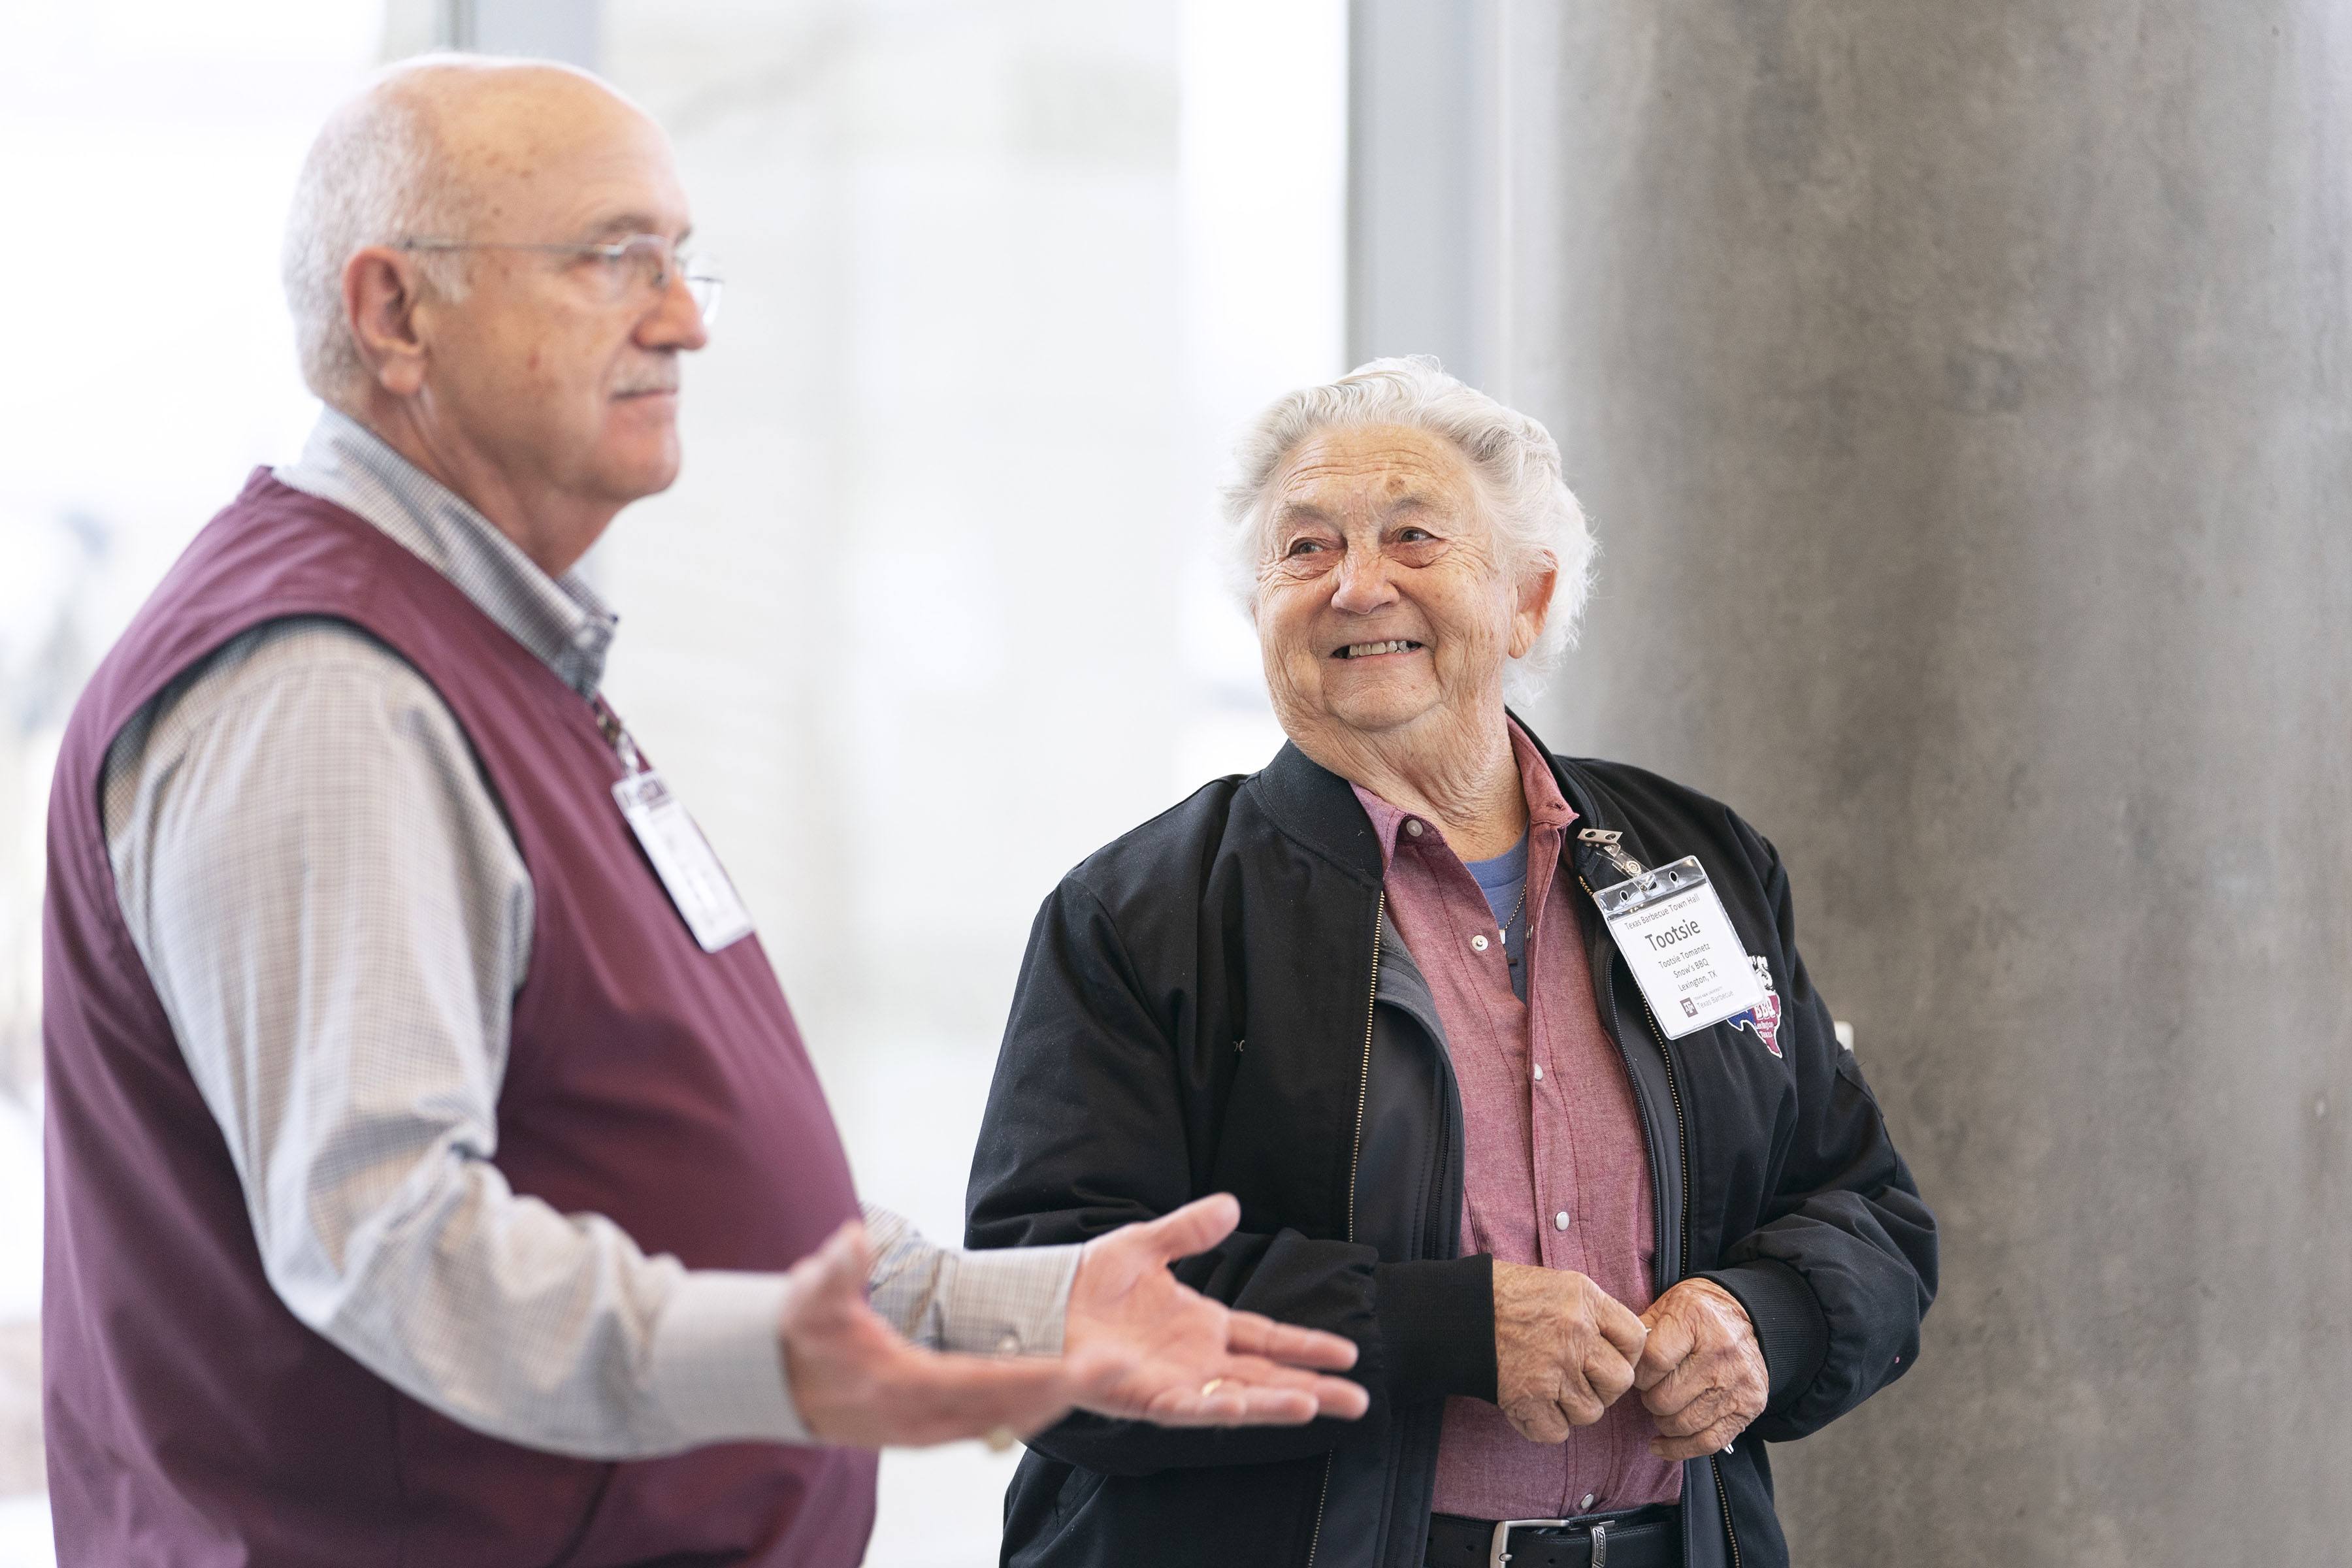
column 1555, row 1169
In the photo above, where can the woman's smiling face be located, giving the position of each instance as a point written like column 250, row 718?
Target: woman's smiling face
column 1381, row 604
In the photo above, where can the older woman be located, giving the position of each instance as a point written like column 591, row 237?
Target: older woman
column 1373, row 991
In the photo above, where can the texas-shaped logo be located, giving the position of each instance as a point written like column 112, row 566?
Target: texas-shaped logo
column 1763, row 1019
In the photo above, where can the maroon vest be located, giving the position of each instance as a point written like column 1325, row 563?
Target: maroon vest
column 191, row 1418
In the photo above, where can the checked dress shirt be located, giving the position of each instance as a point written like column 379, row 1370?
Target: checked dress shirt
column 363, row 1130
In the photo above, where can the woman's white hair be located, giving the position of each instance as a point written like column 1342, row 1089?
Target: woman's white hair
column 377, row 175
column 1538, row 524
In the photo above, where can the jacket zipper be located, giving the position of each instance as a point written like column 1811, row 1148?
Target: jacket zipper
column 1682, row 1137
column 1682, row 1154
column 1723, row 1496
column 1682, row 1130
column 1674, row 1094
column 1364, row 1078
column 1355, row 1160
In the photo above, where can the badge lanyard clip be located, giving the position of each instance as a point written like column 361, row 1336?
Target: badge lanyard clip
column 696, row 884
column 1608, row 840
column 616, row 735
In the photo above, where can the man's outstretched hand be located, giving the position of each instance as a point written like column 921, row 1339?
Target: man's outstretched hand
column 1134, row 1343
column 1171, row 1355
column 859, row 1385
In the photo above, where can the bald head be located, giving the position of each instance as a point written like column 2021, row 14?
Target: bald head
column 486, row 267
column 440, row 147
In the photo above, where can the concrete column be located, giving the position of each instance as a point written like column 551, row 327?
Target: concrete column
column 1961, row 394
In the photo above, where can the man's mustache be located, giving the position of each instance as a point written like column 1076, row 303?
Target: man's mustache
column 663, row 380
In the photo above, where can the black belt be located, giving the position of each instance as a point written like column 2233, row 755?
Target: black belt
column 1640, row 1538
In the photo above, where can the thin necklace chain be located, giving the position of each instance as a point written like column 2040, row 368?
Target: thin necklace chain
column 1504, row 934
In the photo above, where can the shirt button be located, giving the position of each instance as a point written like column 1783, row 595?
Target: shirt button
column 1009, row 1345
column 1588, row 1501
column 1559, row 1220
column 1540, row 1072
column 1412, row 826
column 1478, row 943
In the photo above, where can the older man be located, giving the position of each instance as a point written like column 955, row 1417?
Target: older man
column 434, row 1173
column 1510, row 1058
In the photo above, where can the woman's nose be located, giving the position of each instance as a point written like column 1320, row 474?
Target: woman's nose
column 1363, row 582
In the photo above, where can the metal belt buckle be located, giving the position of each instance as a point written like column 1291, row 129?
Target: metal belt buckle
column 1500, row 1552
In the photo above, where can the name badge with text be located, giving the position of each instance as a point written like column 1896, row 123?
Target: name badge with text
column 1689, row 962
column 698, row 884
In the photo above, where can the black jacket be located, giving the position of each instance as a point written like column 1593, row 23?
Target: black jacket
column 1199, row 1012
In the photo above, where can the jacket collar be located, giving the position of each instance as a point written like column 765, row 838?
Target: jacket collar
column 1319, row 808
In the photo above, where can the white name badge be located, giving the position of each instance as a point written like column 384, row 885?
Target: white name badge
column 1671, row 927
column 698, row 884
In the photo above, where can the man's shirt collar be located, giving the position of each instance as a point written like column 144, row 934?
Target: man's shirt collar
column 559, row 619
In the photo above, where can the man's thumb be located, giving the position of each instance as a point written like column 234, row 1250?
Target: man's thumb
column 839, row 1265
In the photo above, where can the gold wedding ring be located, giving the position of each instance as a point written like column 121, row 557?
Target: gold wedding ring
column 999, row 1438
column 1211, row 1386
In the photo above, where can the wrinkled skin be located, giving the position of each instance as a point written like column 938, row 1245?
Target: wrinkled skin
column 1564, row 1349
column 1702, row 1373
column 1382, row 535
column 529, row 390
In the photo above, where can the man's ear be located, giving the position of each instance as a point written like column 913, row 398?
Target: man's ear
column 380, row 296
column 1534, row 609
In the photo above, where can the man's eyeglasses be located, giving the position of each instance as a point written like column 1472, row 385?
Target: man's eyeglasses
column 641, row 261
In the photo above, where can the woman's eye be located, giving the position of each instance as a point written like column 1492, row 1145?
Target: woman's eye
column 1301, row 546
column 1415, row 536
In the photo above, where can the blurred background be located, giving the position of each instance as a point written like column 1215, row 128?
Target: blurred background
column 1962, row 397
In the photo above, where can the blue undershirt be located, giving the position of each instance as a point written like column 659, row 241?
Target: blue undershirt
column 1502, row 880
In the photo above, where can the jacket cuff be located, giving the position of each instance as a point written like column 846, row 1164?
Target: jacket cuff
column 1437, row 1328
column 1790, row 1326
